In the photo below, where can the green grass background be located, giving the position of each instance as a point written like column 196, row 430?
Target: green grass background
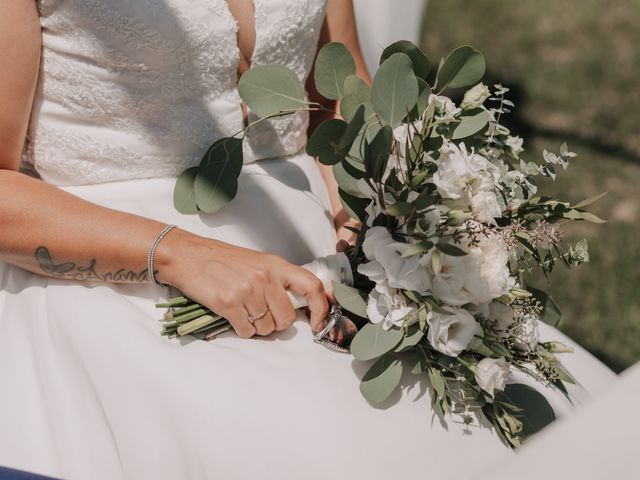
column 574, row 70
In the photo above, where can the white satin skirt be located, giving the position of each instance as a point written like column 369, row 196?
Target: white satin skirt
column 89, row 389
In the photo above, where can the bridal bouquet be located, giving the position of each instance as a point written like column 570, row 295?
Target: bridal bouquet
column 452, row 228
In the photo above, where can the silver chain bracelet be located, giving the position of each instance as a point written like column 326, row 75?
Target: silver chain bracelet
column 152, row 253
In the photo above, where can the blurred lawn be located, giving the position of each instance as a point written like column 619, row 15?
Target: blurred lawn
column 573, row 67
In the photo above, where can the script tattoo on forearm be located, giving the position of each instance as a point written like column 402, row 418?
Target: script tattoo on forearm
column 73, row 271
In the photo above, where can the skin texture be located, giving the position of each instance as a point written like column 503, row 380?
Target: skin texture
column 66, row 237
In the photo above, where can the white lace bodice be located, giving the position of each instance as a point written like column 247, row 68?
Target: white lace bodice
column 141, row 88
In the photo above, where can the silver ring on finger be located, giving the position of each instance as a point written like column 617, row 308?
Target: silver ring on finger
column 252, row 318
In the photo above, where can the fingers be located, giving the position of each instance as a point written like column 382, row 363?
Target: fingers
column 280, row 305
column 302, row 282
column 256, row 307
column 239, row 319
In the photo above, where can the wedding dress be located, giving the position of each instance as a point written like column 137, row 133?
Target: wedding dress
column 130, row 94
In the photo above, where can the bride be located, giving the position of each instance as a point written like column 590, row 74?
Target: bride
column 115, row 99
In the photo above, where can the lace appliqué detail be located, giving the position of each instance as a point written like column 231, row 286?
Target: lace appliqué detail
column 141, row 89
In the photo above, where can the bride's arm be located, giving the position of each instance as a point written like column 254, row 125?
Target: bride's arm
column 52, row 233
column 339, row 26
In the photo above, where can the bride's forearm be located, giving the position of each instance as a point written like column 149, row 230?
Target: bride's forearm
column 53, row 233
column 50, row 232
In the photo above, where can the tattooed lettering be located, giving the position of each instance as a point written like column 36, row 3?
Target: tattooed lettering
column 81, row 273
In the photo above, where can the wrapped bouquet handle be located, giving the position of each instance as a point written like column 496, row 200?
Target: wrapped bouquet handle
column 329, row 269
column 186, row 317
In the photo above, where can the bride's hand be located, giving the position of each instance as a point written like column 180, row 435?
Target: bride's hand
column 239, row 283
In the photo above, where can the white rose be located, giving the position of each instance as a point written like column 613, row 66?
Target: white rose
column 475, row 97
column 451, row 334
column 388, row 306
column 492, row 374
column 485, row 206
column 478, row 277
column 461, row 174
column 446, row 110
column 387, row 264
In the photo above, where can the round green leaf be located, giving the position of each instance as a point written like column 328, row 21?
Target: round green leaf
column 395, row 89
column 184, row 197
column 423, row 101
column 421, row 63
column 373, row 341
column 354, row 206
column 346, row 181
column 350, row 299
column 353, row 130
column 271, row 89
column 367, row 132
column 462, row 67
column 471, row 124
column 377, row 153
column 381, row 379
column 216, row 183
column 356, row 93
column 324, row 143
column 411, row 338
column 536, row 412
column 333, row 65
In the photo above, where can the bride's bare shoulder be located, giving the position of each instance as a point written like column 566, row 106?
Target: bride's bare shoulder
column 19, row 63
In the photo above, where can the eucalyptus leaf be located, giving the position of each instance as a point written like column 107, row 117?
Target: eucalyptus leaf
column 421, row 63
column 184, row 196
column 324, row 143
column 535, row 411
column 345, row 181
column 367, row 133
column 437, row 381
column 334, row 64
column 564, row 376
column 350, row 299
column 377, row 153
column 412, row 337
column 216, row 183
column 471, row 124
column 399, row 209
column 373, row 341
column 395, row 89
column 450, row 249
column 381, row 379
column 590, row 217
column 462, row 67
column 417, row 248
column 590, row 200
column 356, row 93
column 551, row 313
column 420, row 366
column 353, row 129
column 355, row 168
column 354, row 206
column 271, row 89
column 424, row 92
